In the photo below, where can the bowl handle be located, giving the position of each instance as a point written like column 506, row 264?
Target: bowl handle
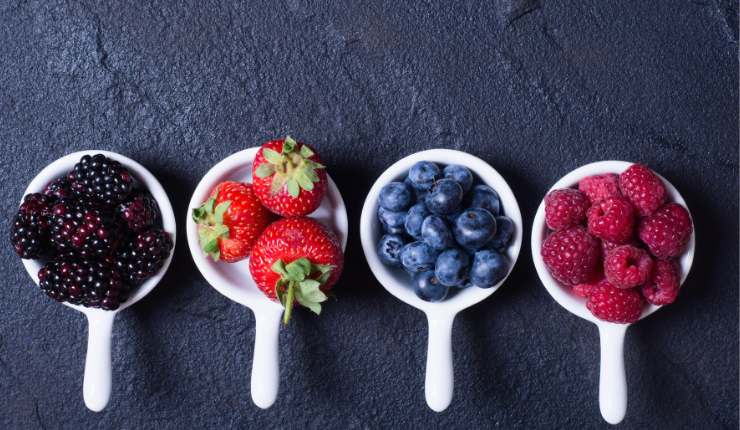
column 266, row 360
column 439, row 373
column 612, row 379
column 96, row 386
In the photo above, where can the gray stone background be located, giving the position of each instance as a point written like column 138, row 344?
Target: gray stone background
column 536, row 88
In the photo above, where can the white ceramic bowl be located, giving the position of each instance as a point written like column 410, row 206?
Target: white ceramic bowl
column 97, row 382
column 234, row 281
column 612, row 386
column 439, row 371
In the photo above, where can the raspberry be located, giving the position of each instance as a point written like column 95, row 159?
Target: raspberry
column 600, row 187
column 572, row 255
column 584, row 290
column 662, row 288
column 667, row 231
column 643, row 188
column 612, row 304
column 612, row 220
column 627, row 266
column 565, row 208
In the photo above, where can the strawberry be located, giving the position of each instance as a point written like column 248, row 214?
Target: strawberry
column 288, row 177
column 230, row 221
column 296, row 260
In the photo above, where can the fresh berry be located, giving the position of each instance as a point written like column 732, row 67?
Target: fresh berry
column 427, row 287
column 612, row 219
column 418, row 257
column 396, row 197
column 414, row 219
column 488, row 269
column 474, row 228
column 423, row 174
column 616, row 305
column 436, row 233
column 504, row 233
column 662, row 289
column 643, row 188
column 99, row 179
column 600, row 187
column 230, row 221
column 88, row 283
column 445, row 197
column 607, row 246
column 59, row 189
column 565, row 208
column 451, row 268
column 30, row 231
column 572, row 255
column 389, row 249
column 392, row 222
column 143, row 255
column 84, row 230
column 288, row 177
column 667, row 231
column 485, row 197
column 460, row 174
column 296, row 260
column 139, row 212
column 627, row 266
column 584, row 290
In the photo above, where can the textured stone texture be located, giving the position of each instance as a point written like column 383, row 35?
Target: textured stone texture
column 536, row 88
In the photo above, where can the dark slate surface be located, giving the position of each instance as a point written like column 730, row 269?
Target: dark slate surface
column 535, row 88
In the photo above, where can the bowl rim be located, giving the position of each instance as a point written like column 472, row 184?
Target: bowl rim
column 250, row 297
column 64, row 164
column 577, row 305
column 390, row 278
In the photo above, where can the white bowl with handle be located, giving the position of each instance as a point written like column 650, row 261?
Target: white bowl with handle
column 98, row 373
column 612, row 379
column 234, row 281
column 439, row 380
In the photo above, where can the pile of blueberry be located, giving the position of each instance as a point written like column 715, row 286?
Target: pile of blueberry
column 444, row 230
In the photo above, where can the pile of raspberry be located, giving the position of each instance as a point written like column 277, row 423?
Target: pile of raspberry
column 615, row 242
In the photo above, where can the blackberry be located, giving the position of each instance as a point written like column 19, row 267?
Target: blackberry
column 29, row 234
column 139, row 212
column 88, row 283
column 143, row 255
column 83, row 230
column 102, row 180
column 59, row 189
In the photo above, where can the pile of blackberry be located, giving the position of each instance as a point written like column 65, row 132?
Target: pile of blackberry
column 97, row 231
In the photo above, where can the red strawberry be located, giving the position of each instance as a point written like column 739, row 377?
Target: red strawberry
column 288, row 177
column 608, row 303
column 296, row 260
column 643, row 188
column 230, row 221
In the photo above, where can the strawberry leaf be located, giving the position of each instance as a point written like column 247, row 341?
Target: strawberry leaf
column 304, row 181
column 309, row 295
column 264, row 171
column 279, row 268
column 221, row 210
column 272, row 156
column 293, row 188
column 306, row 152
column 289, row 145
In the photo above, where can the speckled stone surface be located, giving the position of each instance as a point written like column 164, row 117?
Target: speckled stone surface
column 536, row 88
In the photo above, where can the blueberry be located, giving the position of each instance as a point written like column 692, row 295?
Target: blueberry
column 474, row 228
column 395, row 196
column 418, row 257
column 445, row 197
column 423, row 174
column 504, row 231
column 414, row 218
column 392, row 222
column 452, row 217
column 436, row 233
column 452, row 267
column 487, row 198
column 427, row 287
column 389, row 249
column 459, row 174
column 489, row 268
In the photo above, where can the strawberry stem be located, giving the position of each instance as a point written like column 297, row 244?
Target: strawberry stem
column 289, row 303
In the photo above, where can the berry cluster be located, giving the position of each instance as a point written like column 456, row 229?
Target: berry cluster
column 615, row 240
column 99, row 235
column 445, row 230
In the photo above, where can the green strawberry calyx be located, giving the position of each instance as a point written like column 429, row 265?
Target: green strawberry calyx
column 291, row 168
column 300, row 281
column 210, row 219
